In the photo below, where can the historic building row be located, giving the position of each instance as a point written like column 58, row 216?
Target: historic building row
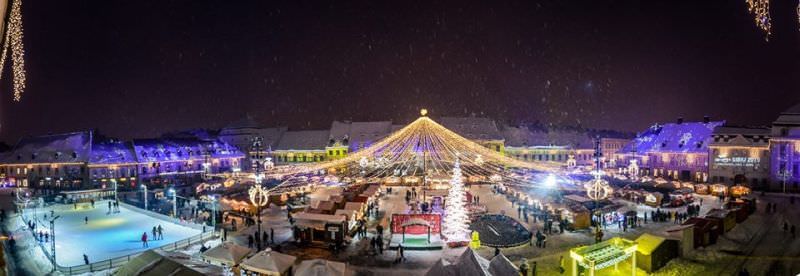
column 78, row 160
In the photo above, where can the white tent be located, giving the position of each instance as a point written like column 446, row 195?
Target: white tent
column 227, row 253
column 470, row 263
column 319, row 267
column 500, row 265
column 441, row 268
column 269, row 263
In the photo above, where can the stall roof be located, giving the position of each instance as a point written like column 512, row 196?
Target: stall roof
column 648, row 243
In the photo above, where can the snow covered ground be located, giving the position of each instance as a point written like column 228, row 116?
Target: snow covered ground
column 105, row 235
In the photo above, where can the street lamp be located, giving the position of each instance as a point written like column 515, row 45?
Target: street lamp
column 144, row 187
column 258, row 197
column 53, row 239
column 174, row 202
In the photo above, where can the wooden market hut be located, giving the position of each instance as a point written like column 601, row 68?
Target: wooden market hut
column 704, row 231
column 653, row 252
column 728, row 219
column 579, row 216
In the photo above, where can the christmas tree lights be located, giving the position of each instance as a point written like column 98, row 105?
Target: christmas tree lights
column 455, row 228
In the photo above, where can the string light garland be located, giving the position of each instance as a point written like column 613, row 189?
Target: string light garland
column 422, row 147
column 13, row 41
column 760, row 10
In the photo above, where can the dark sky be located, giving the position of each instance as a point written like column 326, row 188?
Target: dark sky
column 139, row 68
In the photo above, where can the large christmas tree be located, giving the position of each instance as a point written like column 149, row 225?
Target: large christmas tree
column 456, row 228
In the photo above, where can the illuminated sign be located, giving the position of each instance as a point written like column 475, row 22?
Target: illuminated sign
column 737, row 161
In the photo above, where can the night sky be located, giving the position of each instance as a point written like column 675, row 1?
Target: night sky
column 140, row 68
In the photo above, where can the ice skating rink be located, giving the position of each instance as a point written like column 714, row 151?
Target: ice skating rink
column 106, row 235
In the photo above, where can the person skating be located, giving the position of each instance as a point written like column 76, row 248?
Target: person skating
column 144, row 239
column 85, row 259
column 109, row 207
column 160, row 232
column 155, row 233
column 86, row 220
column 46, row 237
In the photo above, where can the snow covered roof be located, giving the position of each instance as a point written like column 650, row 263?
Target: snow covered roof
column 303, row 140
column 55, row 148
column 790, row 116
column 473, row 128
column 319, row 267
column 686, row 137
column 741, row 135
column 526, row 137
column 160, row 150
column 470, row 263
column 647, row 243
column 158, row 262
column 441, row 268
column 500, row 265
column 267, row 262
column 360, row 134
column 227, row 253
column 112, row 152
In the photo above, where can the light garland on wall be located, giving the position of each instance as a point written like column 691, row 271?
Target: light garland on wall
column 13, row 40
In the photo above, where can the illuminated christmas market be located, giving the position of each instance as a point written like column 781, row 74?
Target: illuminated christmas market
column 542, row 137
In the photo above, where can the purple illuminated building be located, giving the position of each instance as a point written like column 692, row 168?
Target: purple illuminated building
column 672, row 151
column 785, row 148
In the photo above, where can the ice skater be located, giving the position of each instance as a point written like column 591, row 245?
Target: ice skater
column 155, row 233
column 144, row 239
column 85, row 259
column 86, row 220
column 109, row 207
column 160, row 232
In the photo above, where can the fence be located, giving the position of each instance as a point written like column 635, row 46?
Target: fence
column 119, row 261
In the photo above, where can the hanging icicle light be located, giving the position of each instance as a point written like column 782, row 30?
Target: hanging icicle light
column 760, row 10
column 13, row 40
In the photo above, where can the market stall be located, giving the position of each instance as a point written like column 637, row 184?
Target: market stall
column 602, row 255
column 269, row 263
column 653, row 252
column 227, row 253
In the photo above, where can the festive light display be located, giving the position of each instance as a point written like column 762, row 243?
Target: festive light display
column 422, row 147
column 760, row 10
column 456, row 226
column 13, row 41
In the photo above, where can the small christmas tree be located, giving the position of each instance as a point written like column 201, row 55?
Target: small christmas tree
column 456, row 228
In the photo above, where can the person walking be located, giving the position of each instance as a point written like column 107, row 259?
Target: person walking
column 265, row 237
column 144, row 239
column 250, row 241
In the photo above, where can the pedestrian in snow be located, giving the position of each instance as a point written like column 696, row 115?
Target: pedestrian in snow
column 144, row 239
column 85, row 259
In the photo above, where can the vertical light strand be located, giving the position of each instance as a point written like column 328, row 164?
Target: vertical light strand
column 13, row 40
column 760, row 10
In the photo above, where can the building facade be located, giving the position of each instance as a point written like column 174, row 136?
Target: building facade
column 740, row 155
column 785, row 150
column 77, row 161
column 676, row 151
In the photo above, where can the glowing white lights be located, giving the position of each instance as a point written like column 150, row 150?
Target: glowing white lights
column 550, row 181
column 13, row 40
column 456, row 227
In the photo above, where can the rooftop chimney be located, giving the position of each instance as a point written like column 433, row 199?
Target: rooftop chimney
column 680, row 120
column 706, row 119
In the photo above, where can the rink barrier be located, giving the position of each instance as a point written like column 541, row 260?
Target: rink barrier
column 160, row 216
column 122, row 260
